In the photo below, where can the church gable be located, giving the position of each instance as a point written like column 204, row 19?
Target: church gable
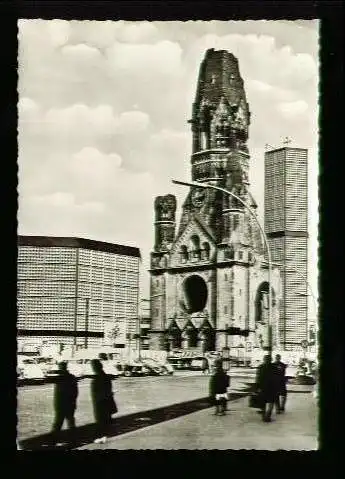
column 194, row 244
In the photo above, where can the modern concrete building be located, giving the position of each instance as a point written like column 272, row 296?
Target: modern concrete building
column 71, row 289
column 286, row 226
column 210, row 272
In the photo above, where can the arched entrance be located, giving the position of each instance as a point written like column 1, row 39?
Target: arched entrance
column 261, row 303
column 174, row 337
column 262, row 315
column 194, row 294
column 207, row 337
column 190, row 336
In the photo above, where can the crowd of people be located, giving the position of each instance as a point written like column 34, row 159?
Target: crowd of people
column 270, row 388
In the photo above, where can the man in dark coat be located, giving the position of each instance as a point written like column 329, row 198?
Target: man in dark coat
column 219, row 382
column 65, row 401
column 266, row 386
column 102, row 399
column 280, row 369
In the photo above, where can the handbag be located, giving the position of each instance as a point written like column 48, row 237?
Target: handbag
column 255, row 401
column 222, row 396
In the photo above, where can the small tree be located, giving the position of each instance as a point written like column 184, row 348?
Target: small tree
column 114, row 332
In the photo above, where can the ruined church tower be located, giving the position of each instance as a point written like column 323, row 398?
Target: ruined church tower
column 208, row 271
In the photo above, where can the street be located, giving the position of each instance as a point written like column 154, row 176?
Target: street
column 240, row 428
column 35, row 403
column 185, row 421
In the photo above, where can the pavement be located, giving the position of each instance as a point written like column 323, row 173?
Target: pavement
column 240, row 428
column 35, row 412
column 174, row 413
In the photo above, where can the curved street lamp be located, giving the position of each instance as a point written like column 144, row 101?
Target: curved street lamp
column 229, row 193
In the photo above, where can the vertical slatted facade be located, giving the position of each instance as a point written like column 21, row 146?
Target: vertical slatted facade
column 286, row 225
column 56, row 276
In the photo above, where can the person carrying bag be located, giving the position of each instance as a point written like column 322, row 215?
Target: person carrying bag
column 219, row 384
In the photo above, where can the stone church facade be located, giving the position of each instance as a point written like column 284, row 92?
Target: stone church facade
column 209, row 270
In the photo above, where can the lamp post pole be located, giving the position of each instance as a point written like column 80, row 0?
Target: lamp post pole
column 139, row 336
column 226, row 351
column 87, row 309
column 229, row 193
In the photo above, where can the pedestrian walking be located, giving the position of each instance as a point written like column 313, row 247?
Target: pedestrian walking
column 219, row 382
column 205, row 366
column 65, row 402
column 102, row 400
column 280, row 370
column 266, row 386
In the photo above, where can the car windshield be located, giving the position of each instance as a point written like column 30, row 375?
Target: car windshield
column 29, row 361
column 45, row 361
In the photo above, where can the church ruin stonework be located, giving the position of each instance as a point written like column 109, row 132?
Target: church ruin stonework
column 209, row 270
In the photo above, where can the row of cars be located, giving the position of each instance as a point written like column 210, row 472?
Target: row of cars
column 198, row 363
column 31, row 369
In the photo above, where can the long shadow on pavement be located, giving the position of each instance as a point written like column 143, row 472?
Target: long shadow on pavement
column 121, row 425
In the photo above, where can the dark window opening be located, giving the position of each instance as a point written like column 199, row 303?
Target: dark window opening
column 231, row 252
column 195, row 254
column 206, row 251
column 183, row 254
column 194, row 294
column 193, row 339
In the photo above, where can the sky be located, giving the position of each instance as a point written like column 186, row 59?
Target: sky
column 103, row 110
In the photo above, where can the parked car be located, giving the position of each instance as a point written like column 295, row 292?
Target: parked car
column 52, row 372
column 180, row 363
column 159, row 369
column 138, row 370
column 291, row 371
column 112, row 368
column 28, row 369
column 197, row 364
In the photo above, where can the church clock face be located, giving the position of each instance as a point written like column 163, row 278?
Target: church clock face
column 198, row 197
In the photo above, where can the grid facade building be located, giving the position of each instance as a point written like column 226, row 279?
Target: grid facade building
column 286, row 226
column 67, row 288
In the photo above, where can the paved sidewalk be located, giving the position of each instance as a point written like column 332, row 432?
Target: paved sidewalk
column 241, row 428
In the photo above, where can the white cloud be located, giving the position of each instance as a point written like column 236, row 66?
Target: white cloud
column 133, row 121
column 293, row 109
column 28, row 110
column 133, row 32
column 162, row 58
column 259, row 86
column 78, row 124
column 168, row 137
column 257, row 89
column 59, row 32
column 81, row 53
